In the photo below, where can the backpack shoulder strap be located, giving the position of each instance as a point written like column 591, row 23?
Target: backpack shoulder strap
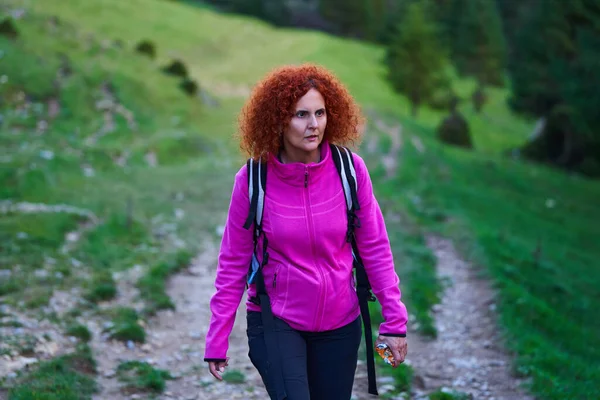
column 257, row 184
column 344, row 162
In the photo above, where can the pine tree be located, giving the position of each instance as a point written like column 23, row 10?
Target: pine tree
column 351, row 16
column 479, row 48
column 415, row 58
column 555, row 76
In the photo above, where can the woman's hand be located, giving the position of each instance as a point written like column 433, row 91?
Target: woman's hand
column 216, row 368
column 397, row 345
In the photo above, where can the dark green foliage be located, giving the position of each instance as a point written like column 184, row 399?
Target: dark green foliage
column 557, row 142
column 415, row 59
column 478, row 98
column 64, row 378
column 8, row 28
column 350, row 16
column 454, row 130
column 141, row 377
column 234, row 376
column 448, row 395
column 125, row 326
column 479, row 47
column 80, row 331
column 176, row 68
column 273, row 11
column 147, row 48
column 152, row 284
column 555, row 75
column 189, row 86
column 102, row 287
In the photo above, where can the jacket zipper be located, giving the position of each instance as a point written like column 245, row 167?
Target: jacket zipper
column 312, row 246
column 275, row 280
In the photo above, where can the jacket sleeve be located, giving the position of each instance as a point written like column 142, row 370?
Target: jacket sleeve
column 375, row 250
column 230, row 282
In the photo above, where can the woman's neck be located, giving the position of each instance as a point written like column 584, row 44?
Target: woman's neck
column 287, row 157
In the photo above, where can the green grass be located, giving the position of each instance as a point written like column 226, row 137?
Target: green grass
column 234, row 376
column 80, row 331
column 142, row 377
column 102, row 287
column 532, row 229
column 125, row 326
column 441, row 394
column 69, row 377
column 152, row 284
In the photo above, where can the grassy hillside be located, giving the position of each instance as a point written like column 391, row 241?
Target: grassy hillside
column 147, row 171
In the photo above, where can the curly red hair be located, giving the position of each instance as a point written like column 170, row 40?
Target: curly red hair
column 271, row 106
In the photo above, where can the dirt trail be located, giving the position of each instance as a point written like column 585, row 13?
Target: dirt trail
column 176, row 343
column 468, row 354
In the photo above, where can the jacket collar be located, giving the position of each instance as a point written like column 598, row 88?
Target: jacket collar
column 295, row 173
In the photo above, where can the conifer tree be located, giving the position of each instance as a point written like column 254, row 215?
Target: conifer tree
column 479, row 47
column 351, row 16
column 415, row 59
column 555, row 76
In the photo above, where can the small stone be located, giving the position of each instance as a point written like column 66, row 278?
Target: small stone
column 130, row 345
column 109, row 374
column 146, row 348
column 195, row 335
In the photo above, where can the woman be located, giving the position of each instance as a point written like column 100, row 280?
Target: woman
column 290, row 119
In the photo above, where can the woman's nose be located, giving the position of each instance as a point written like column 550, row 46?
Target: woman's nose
column 313, row 121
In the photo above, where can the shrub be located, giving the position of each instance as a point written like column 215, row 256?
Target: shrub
column 454, row 130
column 176, row 68
column 189, row 86
column 147, row 48
column 8, row 28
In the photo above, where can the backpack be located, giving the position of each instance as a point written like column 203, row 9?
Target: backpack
column 257, row 184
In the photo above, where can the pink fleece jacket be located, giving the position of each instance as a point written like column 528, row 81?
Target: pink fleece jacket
column 309, row 272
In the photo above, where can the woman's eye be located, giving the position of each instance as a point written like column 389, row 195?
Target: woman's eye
column 320, row 113
column 301, row 114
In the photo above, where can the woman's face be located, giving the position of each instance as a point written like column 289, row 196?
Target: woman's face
column 305, row 131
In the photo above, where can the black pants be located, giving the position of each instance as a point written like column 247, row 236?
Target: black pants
column 316, row 365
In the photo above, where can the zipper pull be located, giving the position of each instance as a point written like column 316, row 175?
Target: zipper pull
column 306, row 178
column 274, row 281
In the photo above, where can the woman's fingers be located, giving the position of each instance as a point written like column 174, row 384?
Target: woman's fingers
column 216, row 369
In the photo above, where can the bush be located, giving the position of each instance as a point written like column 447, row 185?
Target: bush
column 8, row 29
column 454, row 130
column 147, row 48
column 189, row 86
column 176, row 68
